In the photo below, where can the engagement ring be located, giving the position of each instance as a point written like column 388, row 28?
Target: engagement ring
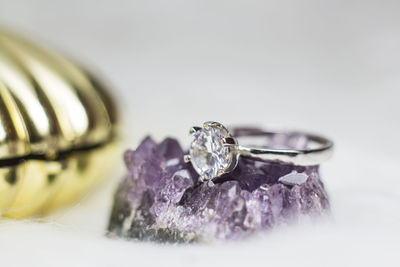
column 215, row 151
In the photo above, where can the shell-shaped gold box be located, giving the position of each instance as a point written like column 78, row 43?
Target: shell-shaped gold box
column 57, row 129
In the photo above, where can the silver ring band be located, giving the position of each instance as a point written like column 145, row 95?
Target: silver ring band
column 320, row 151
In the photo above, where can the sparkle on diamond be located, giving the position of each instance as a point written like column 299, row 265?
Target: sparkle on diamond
column 208, row 154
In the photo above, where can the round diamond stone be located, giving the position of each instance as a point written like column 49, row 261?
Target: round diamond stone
column 209, row 157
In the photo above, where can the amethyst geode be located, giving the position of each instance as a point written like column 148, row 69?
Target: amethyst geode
column 161, row 198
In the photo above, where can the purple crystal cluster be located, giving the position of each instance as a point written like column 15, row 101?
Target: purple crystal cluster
column 161, row 198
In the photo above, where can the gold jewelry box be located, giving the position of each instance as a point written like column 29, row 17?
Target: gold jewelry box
column 58, row 129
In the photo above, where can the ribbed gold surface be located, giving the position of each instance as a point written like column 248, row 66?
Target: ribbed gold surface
column 57, row 129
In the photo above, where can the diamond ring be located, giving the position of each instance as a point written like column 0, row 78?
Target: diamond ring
column 215, row 150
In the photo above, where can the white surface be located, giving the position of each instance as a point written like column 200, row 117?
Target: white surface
column 326, row 66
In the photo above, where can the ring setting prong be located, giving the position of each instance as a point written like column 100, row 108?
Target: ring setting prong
column 194, row 130
column 186, row 158
column 229, row 141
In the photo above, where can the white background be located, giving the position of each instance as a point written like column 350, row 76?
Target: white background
column 327, row 66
